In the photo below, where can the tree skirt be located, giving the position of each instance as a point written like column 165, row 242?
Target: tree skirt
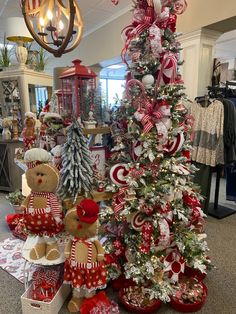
column 11, row 259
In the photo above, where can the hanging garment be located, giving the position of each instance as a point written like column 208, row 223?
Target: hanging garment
column 229, row 131
column 208, row 144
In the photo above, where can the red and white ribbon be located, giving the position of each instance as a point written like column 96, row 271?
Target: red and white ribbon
column 147, row 230
column 118, row 201
column 176, row 144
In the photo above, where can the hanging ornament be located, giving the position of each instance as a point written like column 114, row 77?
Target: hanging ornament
column 136, row 150
column 137, row 221
column 174, row 264
column 148, row 81
column 118, row 174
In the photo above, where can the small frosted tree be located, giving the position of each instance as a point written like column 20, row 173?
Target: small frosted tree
column 76, row 174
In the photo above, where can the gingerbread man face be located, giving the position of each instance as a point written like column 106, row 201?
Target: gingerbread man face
column 43, row 178
column 81, row 221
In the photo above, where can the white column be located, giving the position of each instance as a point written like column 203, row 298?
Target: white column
column 198, row 55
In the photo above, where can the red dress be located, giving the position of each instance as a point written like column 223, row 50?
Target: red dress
column 40, row 221
column 90, row 275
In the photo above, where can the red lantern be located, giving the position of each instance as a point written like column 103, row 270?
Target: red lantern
column 76, row 83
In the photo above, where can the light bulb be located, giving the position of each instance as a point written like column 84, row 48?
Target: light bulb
column 41, row 21
column 61, row 25
column 49, row 15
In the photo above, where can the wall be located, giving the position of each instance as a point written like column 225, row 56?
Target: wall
column 201, row 13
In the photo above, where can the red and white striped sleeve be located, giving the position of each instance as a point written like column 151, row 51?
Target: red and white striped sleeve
column 55, row 205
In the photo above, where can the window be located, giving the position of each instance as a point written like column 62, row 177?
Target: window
column 111, row 89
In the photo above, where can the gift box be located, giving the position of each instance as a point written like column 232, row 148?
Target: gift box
column 130, row 298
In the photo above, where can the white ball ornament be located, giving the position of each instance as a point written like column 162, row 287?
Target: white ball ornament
column 148, row 80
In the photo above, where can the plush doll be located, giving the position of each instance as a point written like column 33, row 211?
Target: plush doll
column 84, row 267
column 28, row 132
column 42, row 211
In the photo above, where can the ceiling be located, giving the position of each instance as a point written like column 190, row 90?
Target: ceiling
column 97, row 13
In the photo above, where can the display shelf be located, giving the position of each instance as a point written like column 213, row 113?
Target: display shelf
column 21, row 164
column 30, row 243
column 98, row 130
column 95, row 195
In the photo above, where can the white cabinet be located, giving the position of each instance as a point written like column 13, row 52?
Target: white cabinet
column 18, row 90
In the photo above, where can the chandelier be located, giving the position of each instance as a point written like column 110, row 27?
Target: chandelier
column 56, row 25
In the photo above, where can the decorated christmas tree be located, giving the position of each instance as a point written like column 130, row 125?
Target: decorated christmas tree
column 154, row 224
column 76, row 173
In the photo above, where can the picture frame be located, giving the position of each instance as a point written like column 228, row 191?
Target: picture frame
column 99, row 156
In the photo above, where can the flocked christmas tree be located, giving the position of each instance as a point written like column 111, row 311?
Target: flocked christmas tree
column 154, row 225
column 76, row 173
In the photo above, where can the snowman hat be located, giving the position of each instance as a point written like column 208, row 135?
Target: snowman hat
column 30, row 115
column 36, row 156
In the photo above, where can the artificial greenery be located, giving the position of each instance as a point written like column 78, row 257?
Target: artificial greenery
column 42, row 59
column 15, row 197
column 5, row 53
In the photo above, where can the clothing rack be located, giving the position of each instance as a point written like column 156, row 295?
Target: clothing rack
column 215, row 210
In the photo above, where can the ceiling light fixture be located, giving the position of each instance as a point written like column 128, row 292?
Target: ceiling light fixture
column 56, row 25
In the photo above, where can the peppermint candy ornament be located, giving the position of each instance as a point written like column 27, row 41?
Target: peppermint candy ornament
column 118, row 174
column 137, row 221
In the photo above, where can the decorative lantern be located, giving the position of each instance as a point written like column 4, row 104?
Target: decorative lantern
column 77, row 83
